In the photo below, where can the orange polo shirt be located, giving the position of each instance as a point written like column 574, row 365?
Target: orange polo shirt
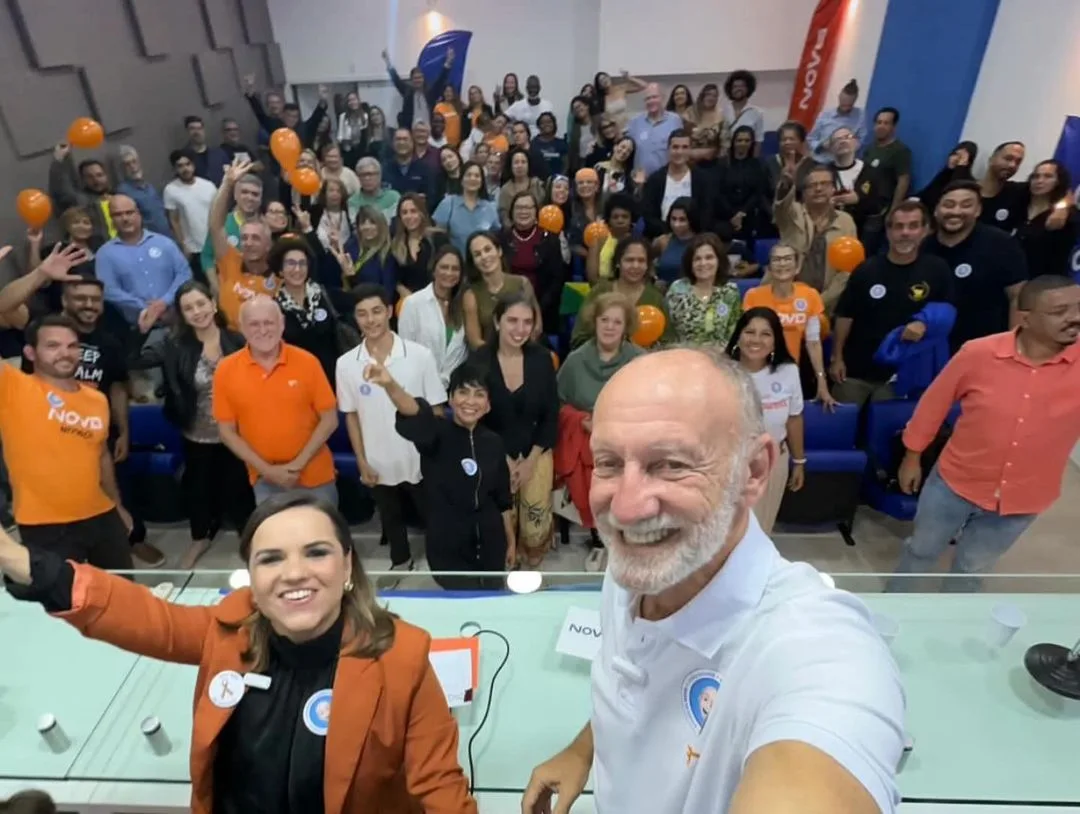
column 804, row 302
column 235, row 286
column 1018, row 423
column 276, row 412
column 53, row 441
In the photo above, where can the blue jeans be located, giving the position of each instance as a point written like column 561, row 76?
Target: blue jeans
column 981, row 537
column 265, row 490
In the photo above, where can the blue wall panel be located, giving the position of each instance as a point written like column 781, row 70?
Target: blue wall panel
column 927, row 64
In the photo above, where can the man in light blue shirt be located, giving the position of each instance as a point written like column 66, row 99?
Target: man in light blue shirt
column 146, row 197
column 141, row 270
column 650, row 131
column 846, row 114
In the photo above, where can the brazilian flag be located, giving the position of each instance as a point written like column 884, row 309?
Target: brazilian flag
column 573, row 295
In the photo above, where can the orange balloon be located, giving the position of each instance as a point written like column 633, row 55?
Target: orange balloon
column 597, row 230
column 285, row 145
column 846, row 254
column 651, row 324
column 305, row 181
column 86, row 133
column 551, row 219
column 555, row 359
column 34, row 207
column 399, row 306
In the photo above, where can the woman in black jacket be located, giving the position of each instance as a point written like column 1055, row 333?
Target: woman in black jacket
column 215, row 482
column 742, row 192
column 311, row 320
column 525, row 414
column 535, row 255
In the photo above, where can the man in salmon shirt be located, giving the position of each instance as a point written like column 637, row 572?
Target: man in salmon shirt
column 54, row 433
column 275, row 409
column 241, row 273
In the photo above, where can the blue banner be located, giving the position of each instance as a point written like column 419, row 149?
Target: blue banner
column 1068, row 153
column 433, row 57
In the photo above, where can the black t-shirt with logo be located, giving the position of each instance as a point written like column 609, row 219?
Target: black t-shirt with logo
column 891, row 160
column 1008, row 209
column 983, row 267
column 881, row 296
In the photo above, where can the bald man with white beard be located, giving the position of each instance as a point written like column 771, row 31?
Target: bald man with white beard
column 729, row 679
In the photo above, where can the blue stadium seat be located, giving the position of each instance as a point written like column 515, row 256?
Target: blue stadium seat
column 577, row 269
column 156, row 445
column 342, row 451
column 770, row 143
column 884, row 419
column 762, row 247
column 744, row 284
column 834, row 470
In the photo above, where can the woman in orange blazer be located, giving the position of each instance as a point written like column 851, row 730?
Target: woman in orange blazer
column 310, row 697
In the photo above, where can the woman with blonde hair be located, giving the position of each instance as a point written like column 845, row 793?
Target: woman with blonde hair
column 414, row 244
column 347, row 714
column 611, row 320
column 366, row 258
column 709, row 137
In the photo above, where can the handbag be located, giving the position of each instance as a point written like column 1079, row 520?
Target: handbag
column 346, row 334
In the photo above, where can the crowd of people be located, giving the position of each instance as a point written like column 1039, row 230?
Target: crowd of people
column 417, row 295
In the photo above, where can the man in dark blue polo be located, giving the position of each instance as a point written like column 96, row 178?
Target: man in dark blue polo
column 404, row 172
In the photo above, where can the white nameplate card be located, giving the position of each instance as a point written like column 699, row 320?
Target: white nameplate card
column 457, row 666
column 580, row 634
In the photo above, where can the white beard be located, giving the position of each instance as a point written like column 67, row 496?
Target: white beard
column 651, row 569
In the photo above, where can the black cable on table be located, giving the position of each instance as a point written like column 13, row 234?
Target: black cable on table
column 487, row 709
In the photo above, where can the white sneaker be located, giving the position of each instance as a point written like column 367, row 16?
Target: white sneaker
column 389, row 583
column 596, row 560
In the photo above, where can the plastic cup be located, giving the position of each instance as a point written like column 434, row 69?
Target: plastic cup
column 1005, row 620
column 887, row 627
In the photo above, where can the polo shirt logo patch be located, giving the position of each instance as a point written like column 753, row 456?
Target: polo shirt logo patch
column 866, row 188
column 468, row 465
column 877, row 291
column 699, row 696
column 800, row 304
column 1002, row 214
column 963, row 270
column 919, row 292
column 154, row 252
column 365, row 389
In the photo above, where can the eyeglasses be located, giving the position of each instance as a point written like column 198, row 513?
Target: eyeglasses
column 294, row 264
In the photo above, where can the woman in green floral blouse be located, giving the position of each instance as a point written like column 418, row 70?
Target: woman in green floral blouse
column 633, row 278
column 703, row 306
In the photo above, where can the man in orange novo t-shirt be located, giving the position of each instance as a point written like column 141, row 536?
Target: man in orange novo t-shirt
column 54, row 432
column 275, row 409
column 243, row 273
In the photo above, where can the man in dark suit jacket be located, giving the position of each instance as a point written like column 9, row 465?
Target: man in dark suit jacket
column 676, row 179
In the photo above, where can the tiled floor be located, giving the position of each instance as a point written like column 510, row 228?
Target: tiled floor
column 1051, row 546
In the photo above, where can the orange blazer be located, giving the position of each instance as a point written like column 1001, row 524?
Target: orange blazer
column 392, row 744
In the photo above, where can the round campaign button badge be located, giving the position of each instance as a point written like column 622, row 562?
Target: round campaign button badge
column 776, row 387
column 234, row 240
column 317, row 713
column 226, row 689
column 469, row 466
column 800, row 304
column 875, row 162
column 320, row 315
column 365, row 389
column 154, row 252
column 963, row 270
column 1002, row 214
column 877, row 291
column 269, row 284
column 722, row 310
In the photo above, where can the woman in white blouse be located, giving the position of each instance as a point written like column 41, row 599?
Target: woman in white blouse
column 757, row 344
column 433, row 315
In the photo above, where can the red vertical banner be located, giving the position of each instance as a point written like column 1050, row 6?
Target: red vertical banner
column 815, row 66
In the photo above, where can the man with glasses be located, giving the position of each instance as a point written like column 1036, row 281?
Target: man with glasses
column 372, row 191
column 860, row 188
column 1019, row 395
column 651, row 130
column 810, row 225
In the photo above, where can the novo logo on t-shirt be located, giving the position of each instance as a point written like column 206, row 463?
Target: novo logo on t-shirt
column 71, row 421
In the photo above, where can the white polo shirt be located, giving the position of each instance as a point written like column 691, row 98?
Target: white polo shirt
column 765, row 653
column 413, row 367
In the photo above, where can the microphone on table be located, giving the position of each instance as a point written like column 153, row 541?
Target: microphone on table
column 1055, row 667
